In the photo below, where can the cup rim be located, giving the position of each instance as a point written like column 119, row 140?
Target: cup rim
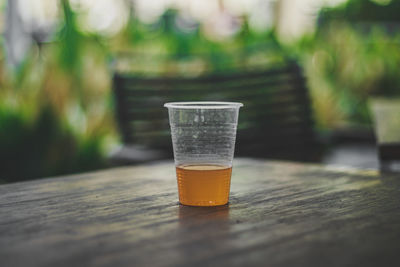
column 203, row 105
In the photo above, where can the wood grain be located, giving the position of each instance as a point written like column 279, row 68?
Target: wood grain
column 280, row 214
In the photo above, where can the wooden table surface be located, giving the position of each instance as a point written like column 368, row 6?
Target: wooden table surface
column 280, row 214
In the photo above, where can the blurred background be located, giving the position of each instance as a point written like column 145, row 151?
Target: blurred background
column 57, row 59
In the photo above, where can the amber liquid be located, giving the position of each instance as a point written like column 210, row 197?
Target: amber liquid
column 203, row 185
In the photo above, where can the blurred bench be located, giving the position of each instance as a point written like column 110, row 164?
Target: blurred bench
column 276, row 121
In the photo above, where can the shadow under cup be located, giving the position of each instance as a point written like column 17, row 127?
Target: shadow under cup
column 203, row 138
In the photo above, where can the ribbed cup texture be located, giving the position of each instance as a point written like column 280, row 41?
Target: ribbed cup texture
column 204, row 142
column 203, row 136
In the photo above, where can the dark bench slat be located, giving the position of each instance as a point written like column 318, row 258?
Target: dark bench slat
column 276, row 129
column 296, row 97
column 176, row 89
column 279, row 112
column 245, row 95
column 211, row 78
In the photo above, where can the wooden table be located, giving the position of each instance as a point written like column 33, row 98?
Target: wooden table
column 280, row 214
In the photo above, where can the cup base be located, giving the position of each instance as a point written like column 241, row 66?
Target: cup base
column 203, row 204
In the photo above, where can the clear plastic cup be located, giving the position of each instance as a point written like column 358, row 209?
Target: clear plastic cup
column 203, row 139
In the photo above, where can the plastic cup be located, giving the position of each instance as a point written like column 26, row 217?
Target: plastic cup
column 203, row 138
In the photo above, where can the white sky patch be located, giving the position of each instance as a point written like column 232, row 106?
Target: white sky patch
column 149, row 11
column 39, row 13
column 109, row 16
column 106, row 17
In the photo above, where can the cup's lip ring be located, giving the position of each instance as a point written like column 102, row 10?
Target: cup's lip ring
column 203, row 105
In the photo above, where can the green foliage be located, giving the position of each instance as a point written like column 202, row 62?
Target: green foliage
column 364, row 11
column 54, row 115
column 61, row 110
column 166, row 44
column 70, row 40
column 42, row 146
column 347, row 63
